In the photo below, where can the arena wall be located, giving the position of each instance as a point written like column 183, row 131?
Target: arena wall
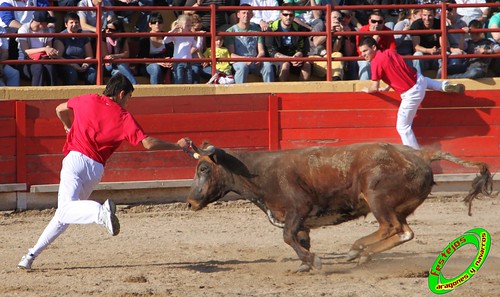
column 256, row 116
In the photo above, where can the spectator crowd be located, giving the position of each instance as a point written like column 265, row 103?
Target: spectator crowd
column 285, row 18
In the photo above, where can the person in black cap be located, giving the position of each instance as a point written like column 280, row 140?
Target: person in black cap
column 37, row 48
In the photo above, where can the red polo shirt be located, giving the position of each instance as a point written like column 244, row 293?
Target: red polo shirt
column 99, row 127
column 390, row 67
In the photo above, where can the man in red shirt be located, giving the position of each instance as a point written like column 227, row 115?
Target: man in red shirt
column 375, row 23
column 388, row 66
column 100, row 125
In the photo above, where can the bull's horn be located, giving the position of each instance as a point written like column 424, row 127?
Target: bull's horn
column 202, row 152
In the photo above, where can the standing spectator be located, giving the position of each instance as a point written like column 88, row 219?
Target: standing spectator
column 341, row 45
column 117, row 48
column 263, row 17
column 477, row 44
column 473, row 13
column 37, row 48
column 283, row 46
column 248, row 46
column 426, row 44
column 388, row 66
column 75, row 48
column 154, row 47
column 96, row 125
column 88, row 18
column 9, row 76
column 404, row 42
column 376, row 23
column 184, row 48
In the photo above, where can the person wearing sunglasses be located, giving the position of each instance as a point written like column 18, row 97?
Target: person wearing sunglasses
column 375, row 23
column 283, row 46
column 154, row 47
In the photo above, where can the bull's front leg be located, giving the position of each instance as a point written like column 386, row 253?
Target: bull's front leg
column 297, row 236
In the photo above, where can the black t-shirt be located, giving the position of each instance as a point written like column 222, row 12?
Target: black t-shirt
column 427, row 40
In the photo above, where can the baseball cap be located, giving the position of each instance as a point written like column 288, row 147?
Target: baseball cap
column 43, row 17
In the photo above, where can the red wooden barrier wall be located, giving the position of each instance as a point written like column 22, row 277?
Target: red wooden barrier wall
column 465, row 125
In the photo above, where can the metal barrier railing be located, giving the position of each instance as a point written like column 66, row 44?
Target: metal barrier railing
column 99, row 60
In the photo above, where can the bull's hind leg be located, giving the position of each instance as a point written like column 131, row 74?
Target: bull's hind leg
column 389, row 225
column 405, row 235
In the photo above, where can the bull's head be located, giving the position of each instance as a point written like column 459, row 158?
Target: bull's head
column 209, row 182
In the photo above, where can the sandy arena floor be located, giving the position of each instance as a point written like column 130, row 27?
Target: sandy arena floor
column 230, row 249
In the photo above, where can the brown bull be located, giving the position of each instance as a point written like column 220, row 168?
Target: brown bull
column 312, row 187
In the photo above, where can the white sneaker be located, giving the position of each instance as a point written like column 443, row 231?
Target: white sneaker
column 108, row 217
column 453, row 88
column 26, row 262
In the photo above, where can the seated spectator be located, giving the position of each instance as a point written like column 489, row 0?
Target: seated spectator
column 117, row 48
column 220, row 52
column 197, row 66
column 184, row 48
column 477, row 44
column 340, row 45
column 426, row 44
column 154, row 47
column 350, row 20
column 9, row 76
column 306, row 18
column 11, row 20
column 37, row 48
column 74, row 48
column 223, row 19
column 473, row 13
column 404, row 42
column 263, row 17
column 248, row 46
column 494, row 23
column 456, row 41
column 377, row 21
column 289, row 46
column 88, row 18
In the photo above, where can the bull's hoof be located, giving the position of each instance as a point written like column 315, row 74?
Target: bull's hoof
column 304, row 268
column 353, row 254
column 317, row 262
column 365, row 258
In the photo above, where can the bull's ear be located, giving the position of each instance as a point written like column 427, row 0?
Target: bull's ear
column 216, row 156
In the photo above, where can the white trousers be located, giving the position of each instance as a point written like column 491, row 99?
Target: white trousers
column 410, row 100
column 79, row 176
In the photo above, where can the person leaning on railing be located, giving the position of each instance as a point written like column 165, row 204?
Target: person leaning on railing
column 74, row 48
column 38, row 48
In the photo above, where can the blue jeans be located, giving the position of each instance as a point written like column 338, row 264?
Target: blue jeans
column 364, row 72
column 70, row 76
column 156, row 73
column 11, row 77
column 183, row 73
column 123, row 69
column 241, row 70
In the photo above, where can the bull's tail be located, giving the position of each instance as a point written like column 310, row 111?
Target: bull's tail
column 482, row 183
